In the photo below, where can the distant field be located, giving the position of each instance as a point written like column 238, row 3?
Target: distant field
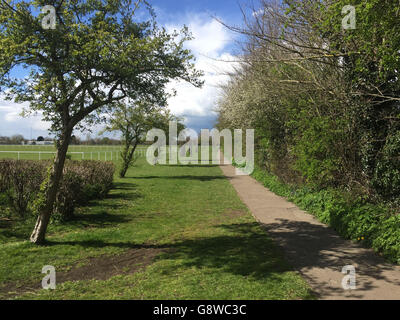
column 76, row 152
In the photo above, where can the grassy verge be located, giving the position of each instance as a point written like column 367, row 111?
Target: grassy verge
column 211, row 247
column 372, row 225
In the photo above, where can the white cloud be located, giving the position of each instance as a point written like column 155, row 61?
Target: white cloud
column 13, row 123
column 210, row 46
column 12, row 116
column 210, row 37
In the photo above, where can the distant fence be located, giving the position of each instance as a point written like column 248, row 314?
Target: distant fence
column 39, row 153
column 89, row 155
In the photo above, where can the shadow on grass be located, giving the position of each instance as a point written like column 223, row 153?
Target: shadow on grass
column 124, row 185
column 242, row 249
column 120, row 191
column 82, row 219
column 131, row 196
column 191, row 165
column 188, row 177
column 97, row 220
column 19, row 231
column 246, row 251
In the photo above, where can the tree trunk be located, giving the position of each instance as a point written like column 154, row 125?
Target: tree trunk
column 123, row 171
column 127, row 159
column 39, row 232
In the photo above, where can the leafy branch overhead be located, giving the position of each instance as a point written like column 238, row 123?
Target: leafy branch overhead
column 98, row 54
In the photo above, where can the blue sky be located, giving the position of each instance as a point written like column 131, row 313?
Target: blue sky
column 212, row 42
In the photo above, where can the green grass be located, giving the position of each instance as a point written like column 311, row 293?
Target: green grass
column 212, row 253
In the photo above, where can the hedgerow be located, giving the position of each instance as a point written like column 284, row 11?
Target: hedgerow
column 82, row 181
column 324, row 103
column 21, row 184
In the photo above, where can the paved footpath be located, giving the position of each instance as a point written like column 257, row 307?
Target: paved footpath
column 314, row 249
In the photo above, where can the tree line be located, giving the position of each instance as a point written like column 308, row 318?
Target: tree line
column 324, row 100
column 17, row 139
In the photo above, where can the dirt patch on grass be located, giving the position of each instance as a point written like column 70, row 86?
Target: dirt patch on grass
column 105, row 267
column 98, row 268
column 234, row 213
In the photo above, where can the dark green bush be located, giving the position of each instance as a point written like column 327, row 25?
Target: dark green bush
column 4, row 176
column 99, row 176
column 82, row 181
column 387, row 173
column 69, row 191
column 21, row 180
column 317, row 158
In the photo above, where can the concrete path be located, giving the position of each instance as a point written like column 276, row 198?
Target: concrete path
column 314, row 249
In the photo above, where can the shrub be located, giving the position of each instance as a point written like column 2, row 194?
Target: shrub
column 4, row 175
column 317, row 157
column 387, row 172
column 21, row 184
column 388, row 241
column 70, row 189
column 98, row 177
column 82, row 181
